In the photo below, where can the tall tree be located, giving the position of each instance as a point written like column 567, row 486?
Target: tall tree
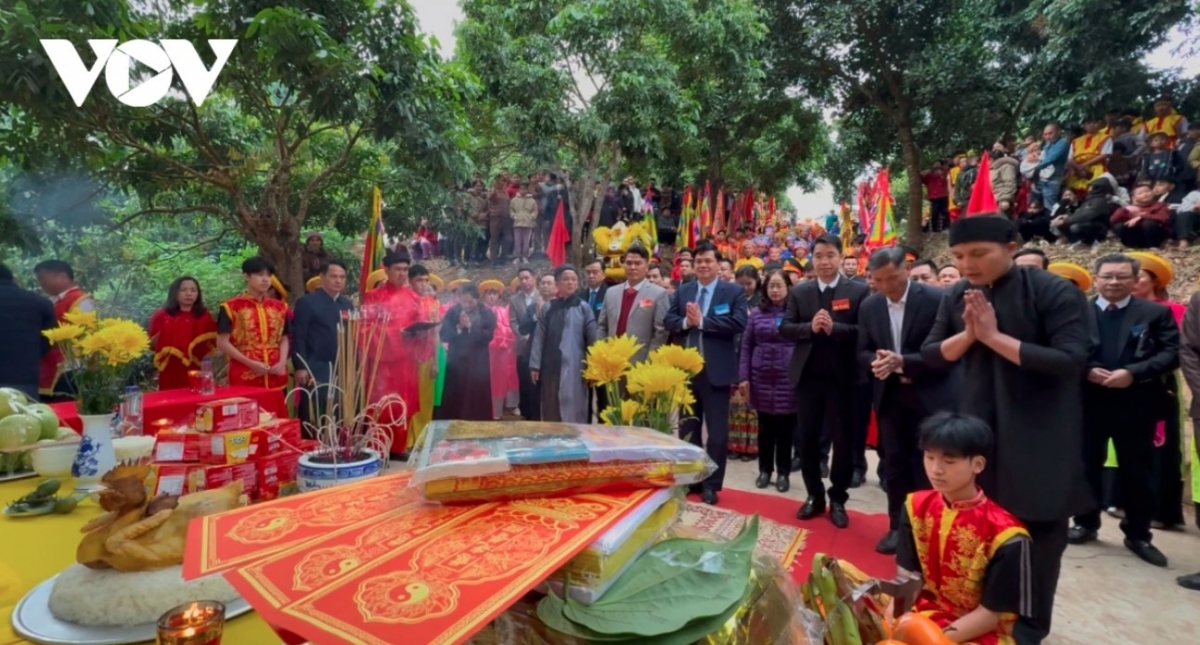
column 290, row 122
column 581, row 79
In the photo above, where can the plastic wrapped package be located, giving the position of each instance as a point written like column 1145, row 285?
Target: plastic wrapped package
column 770, row 612
column 594, row 570
column 477, row 461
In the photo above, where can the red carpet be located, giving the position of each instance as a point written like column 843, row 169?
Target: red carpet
column 856, row 543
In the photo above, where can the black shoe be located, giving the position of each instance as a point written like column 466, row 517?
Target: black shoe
column 824, row 470
column 782, row 484
column 795, row 464
column 857, row 479
column 764, row 480
column 709, row 497
column 1146, row 551
column 695, row 489
column 837, row 515
column 747, row 457
column 888, row 544
column 1189, row 581
column 811, row 509
column 1080, row 535
column 882, row 485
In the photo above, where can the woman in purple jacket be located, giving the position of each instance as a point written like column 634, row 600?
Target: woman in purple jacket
column 763, row 367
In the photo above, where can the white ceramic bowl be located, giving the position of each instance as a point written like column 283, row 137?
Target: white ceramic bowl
column 132, row 448
column 54, row 461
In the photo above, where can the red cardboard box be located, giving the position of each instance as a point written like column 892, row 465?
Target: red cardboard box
column 226, row 415
column 277, row 475
column 178, row 447
column 212, row 477
column 273, row 436
column 169, row 479
column 223, row 448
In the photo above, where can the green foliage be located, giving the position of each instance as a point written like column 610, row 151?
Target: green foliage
column 319, row 102
column 918, row 80
column 679, row 585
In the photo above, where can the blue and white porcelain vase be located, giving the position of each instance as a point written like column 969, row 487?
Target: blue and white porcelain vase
column 96, row 456
column 314, row 474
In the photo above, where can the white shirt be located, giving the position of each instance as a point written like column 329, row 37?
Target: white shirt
column 896, row 314
column 821, row 286
column 637, row 287
column 84, row 304
column 1103, row 304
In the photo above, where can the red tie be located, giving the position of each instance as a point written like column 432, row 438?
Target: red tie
column 627, row 298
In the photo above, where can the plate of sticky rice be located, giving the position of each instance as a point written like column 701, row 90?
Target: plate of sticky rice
column 83, row 606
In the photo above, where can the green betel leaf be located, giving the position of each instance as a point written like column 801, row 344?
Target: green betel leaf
column 691, row 633
column 673, row 584
column 550, row 612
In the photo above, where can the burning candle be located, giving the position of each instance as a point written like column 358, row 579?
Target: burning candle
column 196, row 623
column 161, row 425
column 194, row 380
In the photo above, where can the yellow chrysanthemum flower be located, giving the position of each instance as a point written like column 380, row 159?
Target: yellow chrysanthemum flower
column 85, row 319
column 649, row 379
column 687, row 359
column 117, row 342
column 629, row 410
column 608, row 359
column 63, row 333
column 683, row 399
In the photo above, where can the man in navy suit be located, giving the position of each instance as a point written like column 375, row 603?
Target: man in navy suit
column 707, row 314
column 822, row 317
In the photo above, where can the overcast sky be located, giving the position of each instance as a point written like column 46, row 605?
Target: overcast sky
column 439, row 16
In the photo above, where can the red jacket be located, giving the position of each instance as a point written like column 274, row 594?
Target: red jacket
column 1156, row 212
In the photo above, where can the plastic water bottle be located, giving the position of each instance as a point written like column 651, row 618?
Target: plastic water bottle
column 208, row 380
column 131, row 412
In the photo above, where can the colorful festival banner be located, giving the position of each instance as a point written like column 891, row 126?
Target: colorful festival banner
column 362, row 563
column 373, row 249
column 883, row 221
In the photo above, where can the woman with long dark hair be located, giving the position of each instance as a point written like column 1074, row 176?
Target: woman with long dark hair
column 182, row 332
column 763, row 380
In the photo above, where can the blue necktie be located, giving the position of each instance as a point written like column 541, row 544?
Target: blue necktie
column 702, row 301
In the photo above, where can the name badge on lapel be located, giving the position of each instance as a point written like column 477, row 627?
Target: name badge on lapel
column 646, row 303
column 841, row 304
column 778, row 321
column 1137, row 330
column 721, row 309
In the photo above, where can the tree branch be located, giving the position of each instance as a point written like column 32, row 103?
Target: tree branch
column 325, row 174
column 213, row 210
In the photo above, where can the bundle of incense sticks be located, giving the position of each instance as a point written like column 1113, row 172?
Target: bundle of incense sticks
column 349, row 422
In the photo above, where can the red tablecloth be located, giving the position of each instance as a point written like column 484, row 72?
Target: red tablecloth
column 179, row 405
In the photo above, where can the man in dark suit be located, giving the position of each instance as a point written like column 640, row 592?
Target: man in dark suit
column 594, row 288
column 1135, row 346
column 892, row 326
column 822, row 317
column 709, row 313
column 24, row 315
column 523, row 316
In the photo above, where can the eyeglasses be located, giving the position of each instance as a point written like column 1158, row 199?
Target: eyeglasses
column 1114, row 277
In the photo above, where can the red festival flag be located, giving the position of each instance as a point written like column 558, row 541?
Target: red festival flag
column 373, row 250
column 718, row 224
column 556, row 248
column 983, row 200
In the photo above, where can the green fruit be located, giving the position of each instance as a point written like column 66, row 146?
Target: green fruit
column 27, row 460
column 10, row 462
column 18, row 430
column 9, row 397
column 65, row 505
column 46, row 416
column 65, row 433
column 47, row 488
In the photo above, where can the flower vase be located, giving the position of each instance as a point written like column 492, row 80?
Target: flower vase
column 96, row 455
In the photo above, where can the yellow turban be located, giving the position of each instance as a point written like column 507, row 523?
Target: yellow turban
column 1072, row 272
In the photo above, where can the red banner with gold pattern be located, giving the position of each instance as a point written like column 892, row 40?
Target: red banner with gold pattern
column 365, row 562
